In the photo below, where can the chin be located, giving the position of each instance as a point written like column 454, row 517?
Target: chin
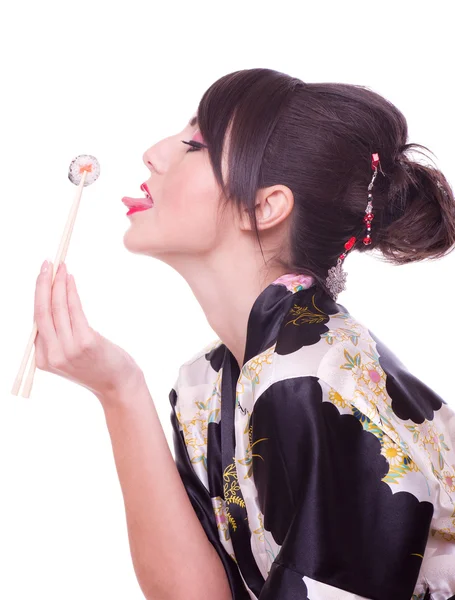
column 133, row 244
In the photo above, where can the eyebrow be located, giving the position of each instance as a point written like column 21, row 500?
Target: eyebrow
column 193, row 121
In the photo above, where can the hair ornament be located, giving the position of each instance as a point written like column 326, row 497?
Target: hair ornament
column 336, row 279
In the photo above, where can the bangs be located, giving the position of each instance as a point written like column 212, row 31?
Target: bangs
column 243, row 108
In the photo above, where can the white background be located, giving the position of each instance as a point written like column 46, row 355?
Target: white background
column 110, row 79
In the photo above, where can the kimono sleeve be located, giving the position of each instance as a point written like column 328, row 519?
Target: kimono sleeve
column 343, row 532
column 200, row 499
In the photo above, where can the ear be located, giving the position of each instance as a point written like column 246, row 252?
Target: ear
column 273, row 205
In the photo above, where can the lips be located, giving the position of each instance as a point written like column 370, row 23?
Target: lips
column 146, row 202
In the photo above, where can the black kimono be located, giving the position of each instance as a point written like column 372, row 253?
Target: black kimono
column 322, row 469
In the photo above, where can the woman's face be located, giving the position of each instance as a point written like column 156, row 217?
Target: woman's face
column 183, row 220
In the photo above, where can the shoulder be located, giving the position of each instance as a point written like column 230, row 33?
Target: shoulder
column 201, row 366
column 201, row 354
column 316, row 339
column 307, row 365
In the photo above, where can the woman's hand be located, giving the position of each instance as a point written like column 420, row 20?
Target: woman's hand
column 67, row 346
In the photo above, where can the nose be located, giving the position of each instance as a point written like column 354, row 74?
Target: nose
column 146, row 159
column 157, row 158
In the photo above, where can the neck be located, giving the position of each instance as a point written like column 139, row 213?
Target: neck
column 226, row 295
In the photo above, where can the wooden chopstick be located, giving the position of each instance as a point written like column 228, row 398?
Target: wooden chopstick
column 60, row 257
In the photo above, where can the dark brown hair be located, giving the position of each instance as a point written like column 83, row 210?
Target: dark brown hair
column 317, row 139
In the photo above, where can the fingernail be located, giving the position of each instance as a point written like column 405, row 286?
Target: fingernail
column 44, row 266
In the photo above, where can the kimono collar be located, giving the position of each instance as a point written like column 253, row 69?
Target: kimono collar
column 269, row 309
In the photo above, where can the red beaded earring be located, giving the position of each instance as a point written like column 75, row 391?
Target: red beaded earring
column 336, row 279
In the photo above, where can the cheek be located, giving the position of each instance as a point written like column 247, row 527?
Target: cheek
column 191, row 197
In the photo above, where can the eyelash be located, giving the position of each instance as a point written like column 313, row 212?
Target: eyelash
column 194, row 145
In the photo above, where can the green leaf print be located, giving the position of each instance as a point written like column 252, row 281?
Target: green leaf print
column 353, row 361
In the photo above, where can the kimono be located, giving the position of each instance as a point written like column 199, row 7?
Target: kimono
column 322, row 469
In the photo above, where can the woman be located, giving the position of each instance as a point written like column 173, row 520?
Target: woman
column 309, row 462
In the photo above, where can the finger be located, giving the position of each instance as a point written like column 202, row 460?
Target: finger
column 60, row 312
column 40, row 352
column 43, row 315
column 79, row 322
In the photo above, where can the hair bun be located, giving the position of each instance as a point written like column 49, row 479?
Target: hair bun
column 419, row 219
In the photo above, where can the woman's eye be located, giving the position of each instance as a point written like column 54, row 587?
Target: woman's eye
column 194, row 145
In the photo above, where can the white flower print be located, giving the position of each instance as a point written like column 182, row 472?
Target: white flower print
column 426, row 431
column 393, row 453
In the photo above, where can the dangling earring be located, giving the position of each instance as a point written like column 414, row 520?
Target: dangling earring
column 336, row 279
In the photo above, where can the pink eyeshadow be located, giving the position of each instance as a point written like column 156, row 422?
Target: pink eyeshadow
column 197, row 137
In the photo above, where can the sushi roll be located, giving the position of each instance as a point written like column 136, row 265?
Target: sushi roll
column 87, row 163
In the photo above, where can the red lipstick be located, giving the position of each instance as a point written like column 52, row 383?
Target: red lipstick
column 133, row 210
